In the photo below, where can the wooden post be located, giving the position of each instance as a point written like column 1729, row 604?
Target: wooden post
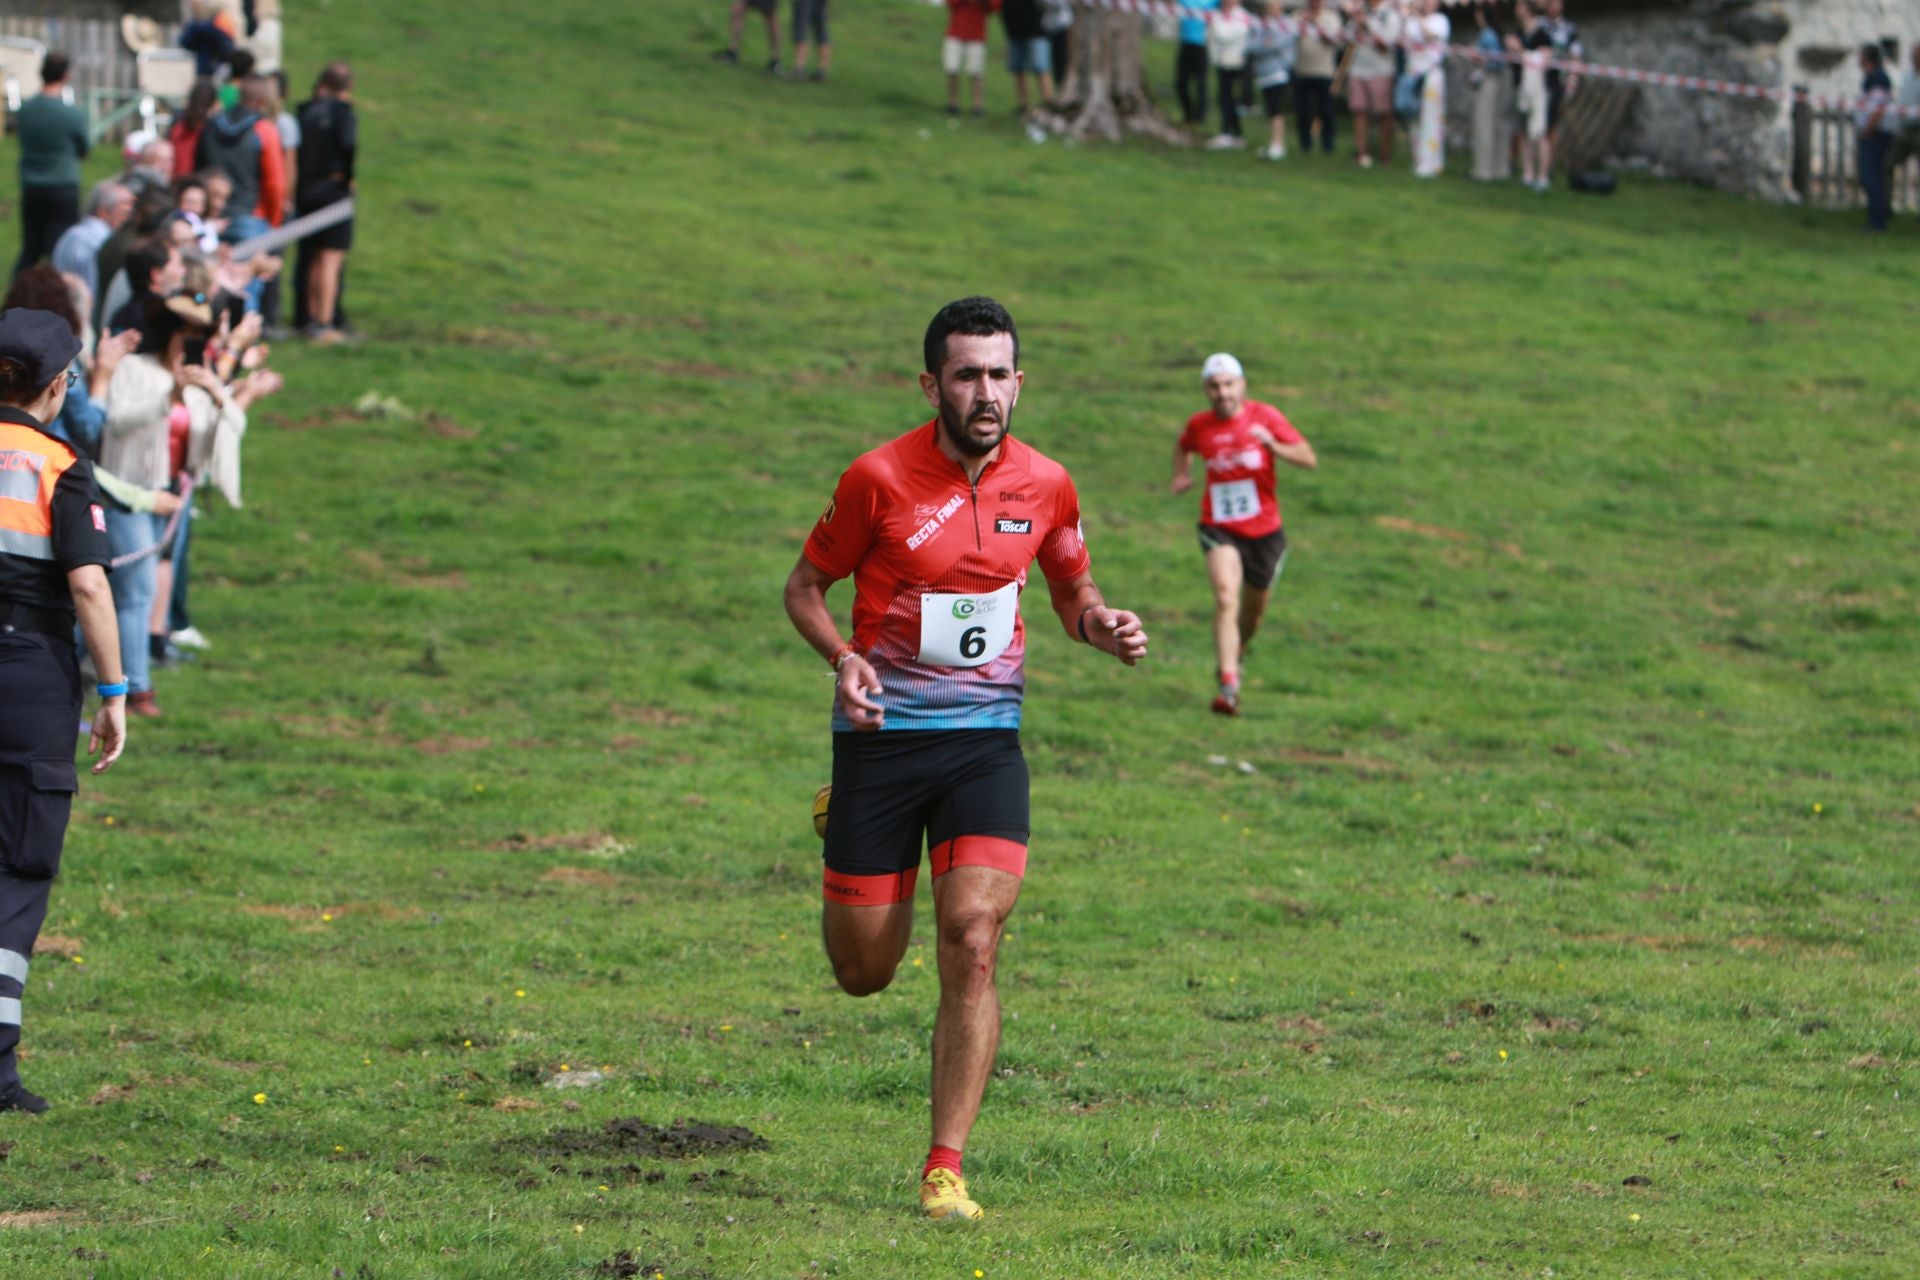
column 1802, row 145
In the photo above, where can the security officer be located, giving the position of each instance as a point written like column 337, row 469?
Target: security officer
column 53, row 565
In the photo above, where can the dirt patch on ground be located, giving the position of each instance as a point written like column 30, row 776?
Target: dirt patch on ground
column 659, row 716
column 56, row 944
column 1343, row 759
column 326, row 915
column 35, row 1218
column 1403, row 525
column 598, row 843
column 585, row 877
column 410, row 572
column 511, row 1103
column 634, row 1138
column 111, row 1093
column 449, row 745
column 1652, row 942
column 323, row 421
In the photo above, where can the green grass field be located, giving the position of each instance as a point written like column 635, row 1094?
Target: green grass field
column 1553, row 911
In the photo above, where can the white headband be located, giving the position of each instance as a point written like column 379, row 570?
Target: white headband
column 1221, row 364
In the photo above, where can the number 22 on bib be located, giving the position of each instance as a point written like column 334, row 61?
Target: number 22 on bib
column 1233, row 501
column 967, row 631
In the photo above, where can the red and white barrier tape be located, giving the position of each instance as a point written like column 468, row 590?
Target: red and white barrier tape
column 1659, row 79
column 166, row 538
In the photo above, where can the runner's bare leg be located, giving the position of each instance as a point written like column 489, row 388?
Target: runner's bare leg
column 1226, row 573
column 865, row 943
column 971, row 906
column 1253, row 607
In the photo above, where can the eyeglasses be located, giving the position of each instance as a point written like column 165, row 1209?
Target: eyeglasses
column 73, row 376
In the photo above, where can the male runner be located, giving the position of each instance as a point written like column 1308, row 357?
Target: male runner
column 937, row 528
column 1240, row 529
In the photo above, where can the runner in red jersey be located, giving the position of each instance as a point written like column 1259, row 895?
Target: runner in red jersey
column 938, row 528
column 1240, row 530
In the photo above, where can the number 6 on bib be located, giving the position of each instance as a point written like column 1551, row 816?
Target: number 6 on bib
column 967, row 631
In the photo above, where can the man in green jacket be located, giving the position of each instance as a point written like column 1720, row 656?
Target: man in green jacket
column 53, row 142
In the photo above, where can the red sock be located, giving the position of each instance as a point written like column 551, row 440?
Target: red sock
column 942, row 1158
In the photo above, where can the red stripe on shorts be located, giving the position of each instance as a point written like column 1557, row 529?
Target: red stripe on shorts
column 869, row 891
column 979, row 851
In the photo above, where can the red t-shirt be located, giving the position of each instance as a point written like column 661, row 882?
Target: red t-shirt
column 938, row 565
column 1238, row 495
column 967, row 19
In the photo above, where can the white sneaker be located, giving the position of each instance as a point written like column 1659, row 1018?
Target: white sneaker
column 1222, row 142
column 1274, row 153
column 1365, row 162
column 190, row 638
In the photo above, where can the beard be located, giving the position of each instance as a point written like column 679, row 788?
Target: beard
column 954, row 427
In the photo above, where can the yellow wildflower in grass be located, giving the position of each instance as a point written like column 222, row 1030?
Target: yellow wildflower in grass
column 259, row 1099
column 79, row 959
column 1633, row 1217
column 578, row 1229
column 338, row 1147
column 466, row 1044
column 326, row 917
column 918, row 962
column 479, row 788
column 109, row 819
column 1503, row 1055
column 1818, row 807
column 726, row 1026
column 519, row 995
column 565, row 1067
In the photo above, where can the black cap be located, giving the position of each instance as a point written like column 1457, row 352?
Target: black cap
column 40, row 340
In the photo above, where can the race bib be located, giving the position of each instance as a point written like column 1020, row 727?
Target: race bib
column 1233, row 501
column 967, row 631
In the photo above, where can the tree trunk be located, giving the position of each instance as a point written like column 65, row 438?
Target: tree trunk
column 1103, row 93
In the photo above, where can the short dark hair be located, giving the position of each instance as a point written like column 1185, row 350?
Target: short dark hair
column 54, row 68
column 143, row 259
column 336, row 78
column 976, row 317
column 43, row 288
column 241, row 63
column 1872, row 53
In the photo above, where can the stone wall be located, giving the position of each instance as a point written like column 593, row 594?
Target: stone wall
column 1738, row 144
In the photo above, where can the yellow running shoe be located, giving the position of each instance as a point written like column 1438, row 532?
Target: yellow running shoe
column 821, row 800
column 943, row 1196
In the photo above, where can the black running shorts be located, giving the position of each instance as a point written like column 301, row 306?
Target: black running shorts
column 960, row 792
column 1261, row 559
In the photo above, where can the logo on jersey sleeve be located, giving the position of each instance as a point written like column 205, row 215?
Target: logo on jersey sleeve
column 99, row 517
column 833, row 505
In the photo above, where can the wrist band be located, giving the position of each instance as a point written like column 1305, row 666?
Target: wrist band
column 841, row 654
column 1083, row 623
column 111, row 690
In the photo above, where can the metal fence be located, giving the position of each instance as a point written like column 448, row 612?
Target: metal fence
column 105, row 75
column 1826, row 164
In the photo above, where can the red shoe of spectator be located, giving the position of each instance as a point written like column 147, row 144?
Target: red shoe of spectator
column 142, row 704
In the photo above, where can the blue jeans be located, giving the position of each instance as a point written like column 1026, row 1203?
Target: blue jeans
column 133, row 588
column 245, row 227
column 1873, row 178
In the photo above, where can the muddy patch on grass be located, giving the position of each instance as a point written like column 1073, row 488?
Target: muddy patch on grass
column 35, row 1218
column 585, row 877
column 111, row 1093
column 327, row 915
column 55, row 944
column 597, row 843
column 633, row 1138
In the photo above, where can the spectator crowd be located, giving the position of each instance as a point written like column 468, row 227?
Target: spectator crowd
column 1381, row 63
column 173, row 307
